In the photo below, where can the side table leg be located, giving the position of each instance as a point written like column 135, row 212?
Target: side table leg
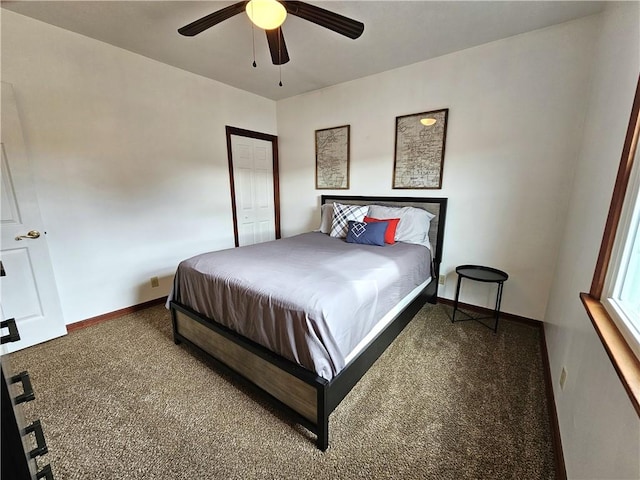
column 498, row 302
column 455, row 303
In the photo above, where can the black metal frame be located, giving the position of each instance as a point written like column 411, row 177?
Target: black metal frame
column 329, row 393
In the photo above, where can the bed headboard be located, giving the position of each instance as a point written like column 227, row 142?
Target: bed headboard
column 437, row 206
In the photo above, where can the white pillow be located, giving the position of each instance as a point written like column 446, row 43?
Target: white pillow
column 341, row 216
column 413, row 226
column 326, row 218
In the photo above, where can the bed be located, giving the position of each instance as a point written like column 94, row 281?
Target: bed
column 274, row 315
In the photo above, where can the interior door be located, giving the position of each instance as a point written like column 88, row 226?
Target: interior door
column 254, row 181
column 28, row 292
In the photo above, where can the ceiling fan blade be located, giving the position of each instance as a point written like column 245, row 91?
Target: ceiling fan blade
column 212, row 19
column 333, row 21
column 277, row 47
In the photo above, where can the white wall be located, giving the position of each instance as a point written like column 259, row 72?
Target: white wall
column 130, row 161
column 515, row 115
column 600, row 429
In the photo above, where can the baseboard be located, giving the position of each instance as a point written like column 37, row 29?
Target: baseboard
column 118, row 313
column 561, row 472
column 490, row 312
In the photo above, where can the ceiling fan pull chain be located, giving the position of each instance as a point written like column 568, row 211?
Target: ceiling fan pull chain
column 253, row 42
column 280, row 55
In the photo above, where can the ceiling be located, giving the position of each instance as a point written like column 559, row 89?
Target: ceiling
column 396, row 33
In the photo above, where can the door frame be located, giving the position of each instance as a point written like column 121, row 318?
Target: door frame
column 276, row 183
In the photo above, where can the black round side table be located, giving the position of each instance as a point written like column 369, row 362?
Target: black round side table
column 480, row 273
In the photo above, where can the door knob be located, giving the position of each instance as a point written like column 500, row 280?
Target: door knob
column 31, row 234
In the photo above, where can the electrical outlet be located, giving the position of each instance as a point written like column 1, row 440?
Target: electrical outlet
column 155, row 282
column 441, row 279
column 563, row 378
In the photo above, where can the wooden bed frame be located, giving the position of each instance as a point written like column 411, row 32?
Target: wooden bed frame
column 304, row 396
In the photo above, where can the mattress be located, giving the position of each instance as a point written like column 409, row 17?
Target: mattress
column 310, row 298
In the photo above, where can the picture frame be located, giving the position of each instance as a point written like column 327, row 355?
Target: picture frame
column 332, row 158
column 419, row 150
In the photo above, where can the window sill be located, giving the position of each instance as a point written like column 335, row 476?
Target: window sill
column 624, row 360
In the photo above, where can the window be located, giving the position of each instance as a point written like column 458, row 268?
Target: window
column 621, row 293
column 613, row 302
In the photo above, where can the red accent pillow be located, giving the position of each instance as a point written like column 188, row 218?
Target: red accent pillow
column 390, row 234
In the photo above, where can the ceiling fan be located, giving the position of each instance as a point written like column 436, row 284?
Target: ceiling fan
column 270, row 14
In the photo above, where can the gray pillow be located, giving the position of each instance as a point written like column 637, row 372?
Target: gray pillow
column 326, row 217
column 413, row 226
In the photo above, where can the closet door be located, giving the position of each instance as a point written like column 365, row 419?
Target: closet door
column 253, row 171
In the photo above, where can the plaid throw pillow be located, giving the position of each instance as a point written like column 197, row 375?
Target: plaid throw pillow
column 341, row 216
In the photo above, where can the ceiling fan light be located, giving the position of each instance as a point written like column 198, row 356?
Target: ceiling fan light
column 427, row 122
column 266, row 14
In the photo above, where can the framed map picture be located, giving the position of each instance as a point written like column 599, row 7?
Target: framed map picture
column 419, row 153
column 332, row 158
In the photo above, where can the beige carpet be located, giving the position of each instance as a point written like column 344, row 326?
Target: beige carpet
column 446, row 401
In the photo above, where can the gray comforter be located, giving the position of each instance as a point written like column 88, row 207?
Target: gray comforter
column 310, row 298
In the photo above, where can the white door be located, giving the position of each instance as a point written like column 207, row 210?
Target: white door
column 28, row 291
column 253, row 185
